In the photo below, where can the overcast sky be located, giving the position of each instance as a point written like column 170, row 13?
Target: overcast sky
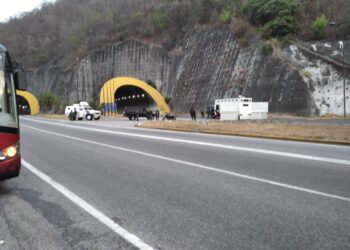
column 11, row 8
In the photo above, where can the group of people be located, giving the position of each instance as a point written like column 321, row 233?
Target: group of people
column 194, row 115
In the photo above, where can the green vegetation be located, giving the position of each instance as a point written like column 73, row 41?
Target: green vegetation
column 160, row 18
column 270, row 46
column 319, row 27
column 225, row 16
column 307, row 74
column 277, row 17
column 74, row 41
column 167, row 99
column 67, row 29
column 96, row 105
column 267, row 48
column 151, row 83
column 48, row 101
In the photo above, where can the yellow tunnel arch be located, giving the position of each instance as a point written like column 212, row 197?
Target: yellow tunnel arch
column 32, row 101
column 110, row 87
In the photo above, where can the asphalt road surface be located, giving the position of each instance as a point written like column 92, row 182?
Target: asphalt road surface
column 107, row 185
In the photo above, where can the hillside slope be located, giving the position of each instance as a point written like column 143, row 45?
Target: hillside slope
column 207, row 65
column 70, row 29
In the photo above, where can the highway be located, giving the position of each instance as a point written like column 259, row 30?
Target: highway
column 109, row 185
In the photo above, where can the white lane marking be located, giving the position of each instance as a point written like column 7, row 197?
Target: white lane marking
column 192, row 164
column 174, row 132
column 237, row 148
column 131, row 238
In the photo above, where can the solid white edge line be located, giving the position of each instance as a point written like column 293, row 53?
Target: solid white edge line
column 237, row 148
column 200, row 166
column 89, row 123
column 131, row 238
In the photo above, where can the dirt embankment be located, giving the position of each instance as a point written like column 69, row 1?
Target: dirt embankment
column 338, row 134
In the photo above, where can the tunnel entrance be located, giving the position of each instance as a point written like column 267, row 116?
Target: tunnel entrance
column 27, row 103
column 121, row 92
column 23, row 106
column 128, row 96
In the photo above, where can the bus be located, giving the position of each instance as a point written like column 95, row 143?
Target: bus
column 12, row 77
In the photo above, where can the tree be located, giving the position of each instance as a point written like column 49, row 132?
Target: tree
column 48, row 100
column 319, row 27
column 278, row 17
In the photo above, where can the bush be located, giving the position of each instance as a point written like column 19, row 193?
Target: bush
column 167, row 99
column 278, row 17
column 160, row 18
column 307, row 74
column 48, row 100
column 267, row 48
column 225, row 16
column 151, row 83
column 270, row 46
column 280, row 26
column 287, row 40
column 319, row 27
column 74, row 41
column 243, row 30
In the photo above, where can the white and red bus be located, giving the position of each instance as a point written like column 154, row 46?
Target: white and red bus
column 11, row 78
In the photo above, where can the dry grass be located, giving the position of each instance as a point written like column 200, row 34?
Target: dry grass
column 334, row 117
column 315, row 133
column 323, row 117
column 52, row 116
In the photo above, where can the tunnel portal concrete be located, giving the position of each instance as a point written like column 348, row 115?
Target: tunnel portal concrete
column 31, row 100
column 109, row 91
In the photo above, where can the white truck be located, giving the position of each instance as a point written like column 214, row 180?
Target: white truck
column 83, row 110
column 241, row 108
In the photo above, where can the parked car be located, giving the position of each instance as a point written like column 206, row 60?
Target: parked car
column 135, row 112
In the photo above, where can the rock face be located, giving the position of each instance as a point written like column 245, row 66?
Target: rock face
column 213, row 66
column 207, row 65
column 323, row 68
column 85, row 79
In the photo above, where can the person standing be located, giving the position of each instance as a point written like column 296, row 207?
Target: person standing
column 157, row 114
column 75, row 114
column 193, row 114
column 137, row 115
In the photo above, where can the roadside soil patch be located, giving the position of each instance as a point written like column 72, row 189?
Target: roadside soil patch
column 338, row 134
column 52, row 116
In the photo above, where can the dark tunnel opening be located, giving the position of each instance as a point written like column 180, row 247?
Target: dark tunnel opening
column 23, row 106
column 128, row 96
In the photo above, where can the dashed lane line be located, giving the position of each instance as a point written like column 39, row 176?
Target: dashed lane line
column 201, row 143
column 200, row 166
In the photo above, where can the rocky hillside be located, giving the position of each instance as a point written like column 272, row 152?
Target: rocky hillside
column 195, row 51
column 67, row 29
column 301, row 78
